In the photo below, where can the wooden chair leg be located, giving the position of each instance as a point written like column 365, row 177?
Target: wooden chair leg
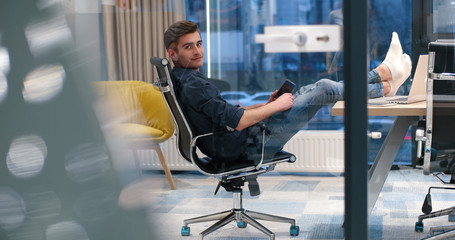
column 164, row 165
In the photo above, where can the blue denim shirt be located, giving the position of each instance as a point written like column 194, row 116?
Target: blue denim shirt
column 208, row 112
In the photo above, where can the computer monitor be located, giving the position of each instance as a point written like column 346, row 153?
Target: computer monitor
column 431, row 20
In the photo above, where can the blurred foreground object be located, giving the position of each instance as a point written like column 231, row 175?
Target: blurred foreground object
column 57, row 177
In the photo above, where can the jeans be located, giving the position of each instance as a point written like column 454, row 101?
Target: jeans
column 282, row 126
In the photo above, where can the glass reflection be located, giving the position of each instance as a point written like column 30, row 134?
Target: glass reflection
column 42, row 204
column 44, row 83
column 4, row 69
column 69, row 230
column 97, row 204
column 12, row 210
column 42, row 4
column 86, row 162
column 44, row 36
column 3, row 87
column 4, row 60
column 26, row 156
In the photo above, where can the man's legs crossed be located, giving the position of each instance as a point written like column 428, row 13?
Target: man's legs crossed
column 384, row 80
column 307, row 101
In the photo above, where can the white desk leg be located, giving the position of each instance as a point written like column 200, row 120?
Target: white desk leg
column 384, row 160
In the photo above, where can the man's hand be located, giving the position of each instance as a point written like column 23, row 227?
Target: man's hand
column 284, row 102
column 256, row 114
column 272, row 97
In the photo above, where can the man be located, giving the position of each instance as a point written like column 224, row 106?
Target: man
column 283, row 116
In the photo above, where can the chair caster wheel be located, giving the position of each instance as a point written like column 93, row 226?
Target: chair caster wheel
column 185, row 231
column 294, row 230
column 241, row 224
column 419, row 227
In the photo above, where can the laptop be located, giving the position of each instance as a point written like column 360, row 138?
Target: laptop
column 418, row 90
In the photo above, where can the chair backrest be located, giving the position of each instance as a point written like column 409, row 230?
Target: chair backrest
column 440, row 115
column 166, row 85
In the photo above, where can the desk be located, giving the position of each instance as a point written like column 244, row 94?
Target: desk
column 382, row 164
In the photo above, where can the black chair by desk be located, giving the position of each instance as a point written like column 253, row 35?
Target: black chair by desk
column 438, row 132
column 232, row 176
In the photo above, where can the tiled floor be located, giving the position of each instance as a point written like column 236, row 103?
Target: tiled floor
column 316, row 201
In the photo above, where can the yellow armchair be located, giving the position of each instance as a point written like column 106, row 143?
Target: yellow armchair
column 140, row 115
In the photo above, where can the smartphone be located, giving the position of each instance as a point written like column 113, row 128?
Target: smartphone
column 287, row 87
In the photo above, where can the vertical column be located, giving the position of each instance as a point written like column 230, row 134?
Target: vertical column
column 356, row 164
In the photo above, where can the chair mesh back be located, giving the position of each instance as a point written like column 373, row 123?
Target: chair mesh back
column 165, row 82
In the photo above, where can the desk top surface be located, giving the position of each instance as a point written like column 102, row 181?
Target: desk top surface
column 413, row 109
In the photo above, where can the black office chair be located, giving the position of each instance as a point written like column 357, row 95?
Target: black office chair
column 438, row 133
column 231, row 175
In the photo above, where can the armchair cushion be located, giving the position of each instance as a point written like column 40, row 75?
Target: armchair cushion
column 140, row 110
column 140, row 131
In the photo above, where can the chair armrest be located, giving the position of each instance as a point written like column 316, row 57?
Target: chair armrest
column 193, row 147
column 194, row 140
column 263, row 128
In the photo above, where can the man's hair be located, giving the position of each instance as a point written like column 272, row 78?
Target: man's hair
column 178, row 29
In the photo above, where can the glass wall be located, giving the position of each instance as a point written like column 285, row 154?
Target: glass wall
column 228, row 29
